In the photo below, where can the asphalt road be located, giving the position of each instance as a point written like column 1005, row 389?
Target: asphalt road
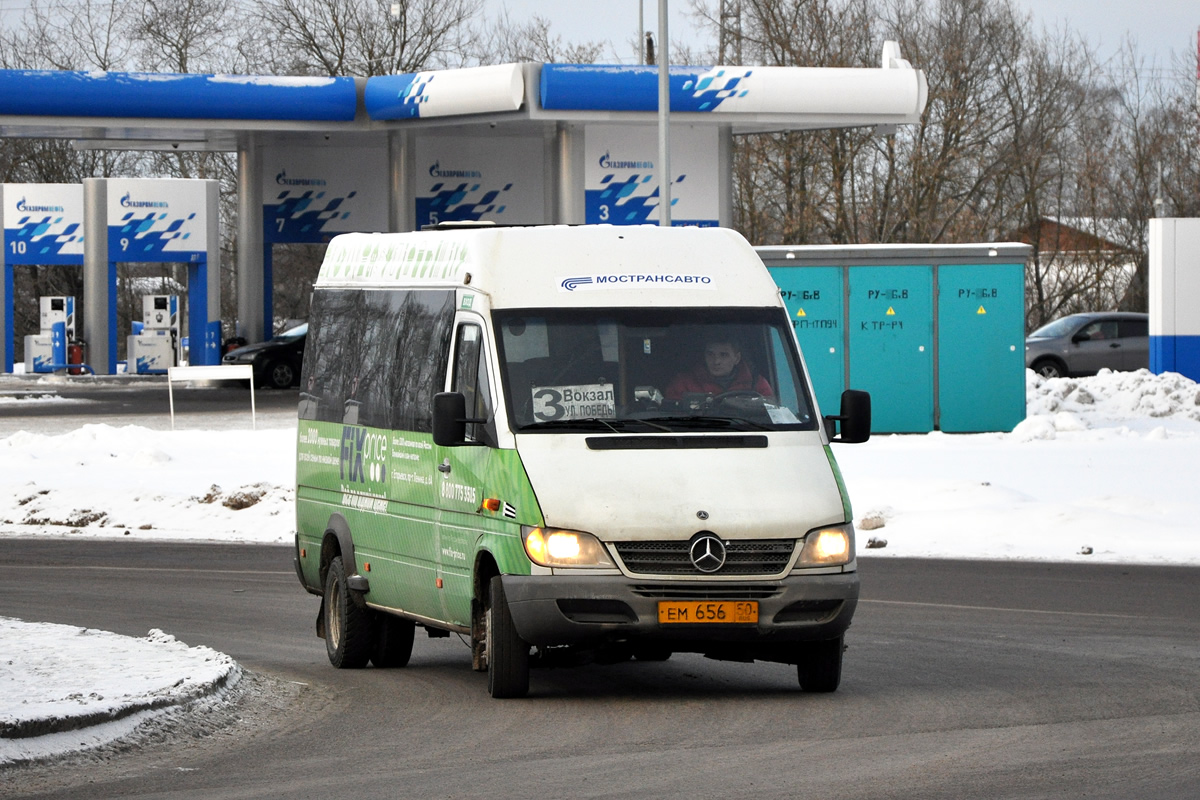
column 963, row 680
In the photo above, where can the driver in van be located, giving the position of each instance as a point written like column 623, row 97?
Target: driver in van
column 721, row 371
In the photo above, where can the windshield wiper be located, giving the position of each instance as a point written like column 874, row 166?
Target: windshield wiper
column 708, row 422
column 585, row 423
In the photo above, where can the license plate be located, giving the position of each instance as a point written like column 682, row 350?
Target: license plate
column 692, row 612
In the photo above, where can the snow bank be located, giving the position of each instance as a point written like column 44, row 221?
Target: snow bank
column 57, row 679
column 105, row 481
column 1102, row 470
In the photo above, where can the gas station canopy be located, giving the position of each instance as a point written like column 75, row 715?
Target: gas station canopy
column 130, row 110
column 521, row 143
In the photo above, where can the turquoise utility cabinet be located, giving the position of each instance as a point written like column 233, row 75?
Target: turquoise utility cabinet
column 936, row 333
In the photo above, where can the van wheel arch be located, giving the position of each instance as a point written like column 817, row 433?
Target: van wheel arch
column 337, row 541
column 485, row 570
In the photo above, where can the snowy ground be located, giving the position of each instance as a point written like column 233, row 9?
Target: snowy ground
column 1102, row 470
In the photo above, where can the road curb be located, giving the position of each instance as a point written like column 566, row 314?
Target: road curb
column 43, row 726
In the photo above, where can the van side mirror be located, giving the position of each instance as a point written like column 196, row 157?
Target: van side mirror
column 450, row 419
column 855, row 418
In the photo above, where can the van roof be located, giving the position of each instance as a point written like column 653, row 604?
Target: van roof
column 560, row 265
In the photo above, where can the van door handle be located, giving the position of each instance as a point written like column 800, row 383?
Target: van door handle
column 444, row 467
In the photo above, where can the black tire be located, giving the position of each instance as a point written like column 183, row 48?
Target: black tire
column 393, row 641
column 348, row 628
column 507, row 653
column 280, row 375
column 820, row 667
column 1050, row 368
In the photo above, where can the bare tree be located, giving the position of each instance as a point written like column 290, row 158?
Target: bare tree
column 359, row 37
column 187, row 35
column 507, row 42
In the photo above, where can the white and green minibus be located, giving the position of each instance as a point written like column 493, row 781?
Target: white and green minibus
column 568, row 443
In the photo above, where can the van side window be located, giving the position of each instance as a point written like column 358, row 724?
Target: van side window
column 376, row 358
column 471, row 378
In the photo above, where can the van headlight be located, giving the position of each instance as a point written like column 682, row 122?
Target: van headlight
column 555, row 547
column 828, row 546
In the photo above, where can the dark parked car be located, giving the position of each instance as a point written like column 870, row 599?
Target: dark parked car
column 276, row 361
column 1084, row 344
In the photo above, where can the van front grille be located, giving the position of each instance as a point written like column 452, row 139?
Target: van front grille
column 742, row 557
column 707, row 591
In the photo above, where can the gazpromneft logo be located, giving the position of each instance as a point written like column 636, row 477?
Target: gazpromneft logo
column 128, row 202
column 608, row 162
column 641, row 279
column 436, row 171
column 283, row 180
column 23, row 206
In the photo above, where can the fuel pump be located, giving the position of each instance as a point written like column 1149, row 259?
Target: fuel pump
column 47, row 350
column 154, row 344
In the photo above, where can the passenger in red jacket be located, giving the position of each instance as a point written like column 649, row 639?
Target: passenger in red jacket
column 722, row 371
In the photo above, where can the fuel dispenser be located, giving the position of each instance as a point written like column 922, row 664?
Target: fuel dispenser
column 154, row 344
column 47, row 350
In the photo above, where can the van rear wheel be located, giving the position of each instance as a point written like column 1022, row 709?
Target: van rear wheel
column 348, row 634
column 820, row 666
column 393, row 641
column 507, row 653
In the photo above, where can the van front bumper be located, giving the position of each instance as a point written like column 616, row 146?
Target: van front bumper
column 552, row 610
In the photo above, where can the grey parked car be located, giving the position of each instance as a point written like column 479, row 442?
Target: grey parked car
column 1084, row 344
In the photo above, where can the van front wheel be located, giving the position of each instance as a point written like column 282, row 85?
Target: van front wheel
column 348, row 632
column 507, row 653
column 820, row 666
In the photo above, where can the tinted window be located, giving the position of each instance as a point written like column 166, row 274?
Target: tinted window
column 376, row 357
column 1134, row 327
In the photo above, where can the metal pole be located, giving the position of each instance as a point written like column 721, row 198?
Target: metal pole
column 664, row 122
column 252, row 323
column 641, row 31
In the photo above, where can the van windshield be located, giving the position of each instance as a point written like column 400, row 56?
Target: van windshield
column 645, row 370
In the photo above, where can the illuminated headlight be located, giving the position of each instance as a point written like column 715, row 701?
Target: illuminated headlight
column 828, row 546
column 554, row 547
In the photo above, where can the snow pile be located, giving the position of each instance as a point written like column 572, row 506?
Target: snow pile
column 1114, row 396
column 1102, row 470
column 104, row 481
column 56, row 680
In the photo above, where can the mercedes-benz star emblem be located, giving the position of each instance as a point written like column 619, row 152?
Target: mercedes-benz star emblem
column 708, row 553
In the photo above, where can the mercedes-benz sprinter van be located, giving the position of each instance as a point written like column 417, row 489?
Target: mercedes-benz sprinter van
column 568, row 443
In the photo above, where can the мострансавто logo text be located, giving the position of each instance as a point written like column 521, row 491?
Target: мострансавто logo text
column 635, row 279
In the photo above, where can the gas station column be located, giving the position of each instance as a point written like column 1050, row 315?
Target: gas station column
column 725, row 176
column 402, row 214
column 568, row 174
column 253, row 317
column 99, row 280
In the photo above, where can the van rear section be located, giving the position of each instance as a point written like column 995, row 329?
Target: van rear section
column 569, row 444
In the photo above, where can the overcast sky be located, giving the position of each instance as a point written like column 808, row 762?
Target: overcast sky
column 1159, row 25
